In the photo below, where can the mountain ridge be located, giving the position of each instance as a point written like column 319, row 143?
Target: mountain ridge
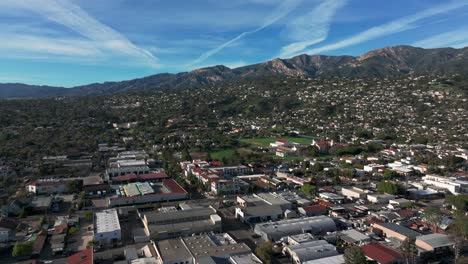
column 383, row 62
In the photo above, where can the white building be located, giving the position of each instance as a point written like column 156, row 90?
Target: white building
column 380, row 198
column 373, row 167
column 354, row 193
column 107, row 227
column 451, row 184
column 225, row 186
column 47, row 187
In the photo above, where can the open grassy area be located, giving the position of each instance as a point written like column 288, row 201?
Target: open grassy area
column 265, row 142
column 220, row 154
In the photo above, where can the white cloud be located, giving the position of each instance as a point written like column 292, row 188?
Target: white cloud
column 456, row 39
column 399, row 25
column 310, row 28
column 30, row 44
column 281, row 11
column 76, row 19
column 235, row 64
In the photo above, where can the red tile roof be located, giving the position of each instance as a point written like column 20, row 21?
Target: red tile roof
column 215, row 163
column 315, row 208
column 381, row 253
column 126, row 177
column 97, row 187
column 47, row 183
column 82, row 257
column 173, row 186
column 61, row 229
column 158, row 175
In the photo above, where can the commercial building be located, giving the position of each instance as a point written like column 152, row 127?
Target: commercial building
column 381, row 254
column 313, row 210
column 107, row 227
column 276, row 230
column 261, row 207
column 338, row 259
column 394, row 230
column 380, row 198
column 434, row 242
column 419, row 194
column 354, row 193
column 228, row 186
column 212, row 248
column 174, row 223
column 48, row 186
column 140, row 193
column 127, row 162
column 452, row 184
column 352, row 236
column 331, row 197
column 310, row 250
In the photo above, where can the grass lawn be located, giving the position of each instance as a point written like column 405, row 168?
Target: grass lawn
column 265, row 142
column 220, row 154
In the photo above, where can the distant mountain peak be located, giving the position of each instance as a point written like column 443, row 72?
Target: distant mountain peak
column 387, row 61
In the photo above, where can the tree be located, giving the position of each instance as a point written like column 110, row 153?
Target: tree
column 460, row 202
column 308, row 189
column 409, row 251
column 317, row 167
column 73, row 230
column 354, row 255
column 390, row 188
column 458, row 233
column 433, row 216
column 265, row 252
column 390, row 174
column 22, row 249
column 92, row 243
column 75, row 186
column 89, row 216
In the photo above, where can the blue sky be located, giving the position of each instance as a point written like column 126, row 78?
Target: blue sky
column 75, row 42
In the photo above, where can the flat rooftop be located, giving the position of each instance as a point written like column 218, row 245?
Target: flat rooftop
column 107, row 221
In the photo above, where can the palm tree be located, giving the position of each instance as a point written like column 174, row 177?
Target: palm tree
column 409, row 251
column 354, row 255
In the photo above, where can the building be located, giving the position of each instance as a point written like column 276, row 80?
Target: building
column 310, row 250
column 212, row 248
column 394, row 230
column 434, row 242
column 381, row 254
column 48, row 186
column 352, row 236
column 399, row 203
column 331, row 197
column 131, row 194
column 380, row 198
column 107, row 227
column 313, row 210
column 41, row 203
column 374, row 168
column 338, row 259
column 228, row 186
column 260, row 213
column 127, row 162
column 174, row 223
column 261, row 207
column 354, row 193
column 420, row 194
column 451, row 184
column 83, row 257
column 276, row 230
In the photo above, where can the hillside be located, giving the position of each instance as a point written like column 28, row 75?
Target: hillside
column 385, row 62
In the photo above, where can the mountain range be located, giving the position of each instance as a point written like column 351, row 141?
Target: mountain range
column 384, row 62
